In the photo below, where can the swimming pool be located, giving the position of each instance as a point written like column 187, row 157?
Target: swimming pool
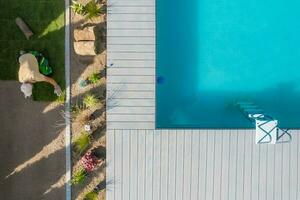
column 211, row 54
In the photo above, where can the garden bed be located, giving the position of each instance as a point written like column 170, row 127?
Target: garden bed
column 88, row 102
column 46, row 19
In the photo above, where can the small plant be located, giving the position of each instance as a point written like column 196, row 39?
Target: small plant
column 93, row 195
column 62, row 98
column 76, row 109
column 91, row 10
column 82, row 142
column 90, row 100
column 79, row 176
column 94, row 78
column 78, row 8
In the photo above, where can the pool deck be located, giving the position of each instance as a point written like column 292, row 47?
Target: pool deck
column 144, row 163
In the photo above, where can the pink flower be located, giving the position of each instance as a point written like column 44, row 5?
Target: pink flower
column 89, row 161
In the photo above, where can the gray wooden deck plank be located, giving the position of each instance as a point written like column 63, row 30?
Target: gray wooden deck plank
column 132, row 9
column 286, row 176
column 131, row 33
column 133, row 125
column 141, row 164
column 156, row 165
column 131, row 25
column 132, row 55
column 240, row 166
column 248, row 142
column 172, row 150
column 132, row 94
column 131, row 86
column 298, row 159
column 131, row 17
column 203, row 164
column 270, row 172
column 133, row 165
column 263, row 172
column 164, row 165
column 217, row 165
column 126, row 179
column 149, row 165
column 132, row 48
column 180, row 162
column 195, row 164
column 128, row 41
column 110, row 181
column 118, row 164
column 225, row 165
column 255, row 172
column 131, row 79
column 131, row 63
column 294, row 166
column 131, row 102
column 127, row 3
column 233, row 165
column 278, row 172
column 130, row 118
column 132, row 110
column 210, row 165
column 187, row 164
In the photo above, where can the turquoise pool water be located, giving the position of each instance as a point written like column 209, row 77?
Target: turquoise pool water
column 212, row 53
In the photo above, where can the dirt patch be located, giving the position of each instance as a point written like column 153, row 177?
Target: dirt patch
column 32, row 147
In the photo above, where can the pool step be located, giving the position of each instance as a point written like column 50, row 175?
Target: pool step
column 267, row 130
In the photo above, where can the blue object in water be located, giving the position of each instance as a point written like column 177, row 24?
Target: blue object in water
column 214, row 53
column 160, row 79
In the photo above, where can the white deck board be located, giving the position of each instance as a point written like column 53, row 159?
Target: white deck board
column 193, row 164
column 131, row 17
column 131, row 25
column 132, row 48
column 131, row 33
column 130, row 3
column 132, row 55
column 131, row 10
column 133, row 165
column 147, row 164
column 129, row 41
column 180, row 163
column 131, row 79
column 141, row 165
column 130, row 87
column 126, row 154
column 164, row 170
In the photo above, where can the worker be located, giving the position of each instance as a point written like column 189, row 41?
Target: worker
column 29, row 73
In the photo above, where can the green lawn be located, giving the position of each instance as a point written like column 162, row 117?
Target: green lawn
column 46, row 19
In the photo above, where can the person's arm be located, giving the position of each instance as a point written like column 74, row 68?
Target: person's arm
column 57, row 89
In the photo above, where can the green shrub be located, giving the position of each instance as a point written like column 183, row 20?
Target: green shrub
column 62, row 98
column 93, row 9
column 94, row 78
column 90, row 10
column 91, row 196
column 90, row 100
column 78, row 8
column 79, row 176
column 82, row 142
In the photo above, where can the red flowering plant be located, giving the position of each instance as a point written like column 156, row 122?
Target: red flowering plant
column 89, row 161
